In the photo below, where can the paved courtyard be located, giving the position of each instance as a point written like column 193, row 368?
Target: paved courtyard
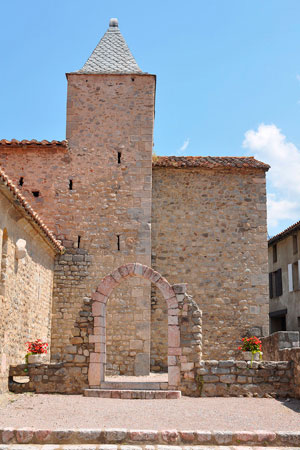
column 217, row 414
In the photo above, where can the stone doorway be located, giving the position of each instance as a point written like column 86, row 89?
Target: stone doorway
column 184, row 335
column 100, row 299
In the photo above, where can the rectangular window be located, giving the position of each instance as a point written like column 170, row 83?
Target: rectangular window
column 295, row 244
column 274, row 253
column 275, row 283
column 295, row 276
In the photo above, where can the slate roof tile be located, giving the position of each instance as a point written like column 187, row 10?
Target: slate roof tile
column 111, row 55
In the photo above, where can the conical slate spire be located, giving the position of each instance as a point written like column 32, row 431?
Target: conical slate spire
column 111, row 55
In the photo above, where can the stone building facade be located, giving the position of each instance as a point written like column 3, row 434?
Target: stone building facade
column 197, row 220
column 284, row 280
column 27, row 252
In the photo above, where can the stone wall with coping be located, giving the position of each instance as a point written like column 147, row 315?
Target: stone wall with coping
column 237, row 378
column 209, row 230
column 284, row 346
column 212, row 379
column 59, row 378
column 273, row 344
column 25, row 288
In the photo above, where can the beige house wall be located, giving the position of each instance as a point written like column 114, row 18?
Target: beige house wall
column 25, row 288
column 290, row 300
column 209, row 230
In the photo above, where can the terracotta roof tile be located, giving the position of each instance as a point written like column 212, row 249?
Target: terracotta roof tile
column 209, row 162
column 14, row 191
column 32, row 142
column 283, row 234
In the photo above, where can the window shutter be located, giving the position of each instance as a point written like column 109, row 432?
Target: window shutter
column 290, row 275
column 270, row 285
column 278, row 282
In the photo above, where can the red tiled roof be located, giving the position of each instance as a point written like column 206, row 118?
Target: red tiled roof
column 290, row 230
column 33, row 142
column 33, row 216
column 209, row 162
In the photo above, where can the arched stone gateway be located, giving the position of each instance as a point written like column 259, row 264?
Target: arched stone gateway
column 184, row 327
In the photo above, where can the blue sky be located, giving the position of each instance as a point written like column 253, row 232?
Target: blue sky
column 228, row 76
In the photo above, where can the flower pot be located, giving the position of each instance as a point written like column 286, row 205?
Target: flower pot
column 249, row 356
column 37, row 358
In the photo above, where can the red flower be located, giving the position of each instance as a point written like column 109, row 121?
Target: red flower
column 37, row 347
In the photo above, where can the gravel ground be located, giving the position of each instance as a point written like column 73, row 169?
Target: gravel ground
column 212, row 414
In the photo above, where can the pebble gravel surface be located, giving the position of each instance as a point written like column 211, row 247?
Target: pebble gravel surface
column 45, row 411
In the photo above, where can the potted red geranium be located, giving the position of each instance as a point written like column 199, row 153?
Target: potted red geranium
column 36, row 352
column 251, row 348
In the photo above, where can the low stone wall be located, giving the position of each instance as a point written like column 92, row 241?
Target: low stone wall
column 60, row 378
column 237, row 378
column 273, row 344
column 212, row 379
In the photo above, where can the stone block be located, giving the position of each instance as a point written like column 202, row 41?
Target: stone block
column 180, row 288
column 165, row 288
column 173, row 336
column 97, row 297
column 94, row 374
column 227, row 379
column 174, row 375
column 186, row 367
column 98, row 309
column 136, row 344
column 142, row 364
column 107, row 285
column 171, row 360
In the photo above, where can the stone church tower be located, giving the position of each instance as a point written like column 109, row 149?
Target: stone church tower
column 110, row 118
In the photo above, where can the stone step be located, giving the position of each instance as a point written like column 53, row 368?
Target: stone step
column 132, row 394
column 112, row 438
column 132, row 385
column 131, row 447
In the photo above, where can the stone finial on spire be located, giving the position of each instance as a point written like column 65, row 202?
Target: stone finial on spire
column 113, row 23
column 112, row 54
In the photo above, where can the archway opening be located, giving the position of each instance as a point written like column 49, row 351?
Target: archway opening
column 98, row 360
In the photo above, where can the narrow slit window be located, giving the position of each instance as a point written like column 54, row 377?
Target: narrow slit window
column 36, row 193
column 119, row 157
column 70, row 185
column 21, row 181
column 118, row 241
column 78, row 241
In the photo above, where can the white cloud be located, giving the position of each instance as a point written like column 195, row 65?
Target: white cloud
column 184, row 147
column 298, row 77
column 270, row 145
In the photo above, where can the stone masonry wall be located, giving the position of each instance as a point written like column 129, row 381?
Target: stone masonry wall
column 209, row 230
column 25, row 288
column 237, row 378
column 159, row 332
column 273, row 344
column 103, row 221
